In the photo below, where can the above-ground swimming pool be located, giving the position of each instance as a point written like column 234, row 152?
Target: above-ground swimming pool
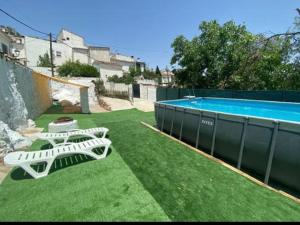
column 259, row 137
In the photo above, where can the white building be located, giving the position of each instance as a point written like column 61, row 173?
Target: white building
column 5, row 43
column 70, row 46
column 12, row 44
column 167, row 77
column 36, row 47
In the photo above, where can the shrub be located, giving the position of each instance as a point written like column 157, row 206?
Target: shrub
column 99, row 87
column 77, row 69
column 44, row 61
column 126, row 79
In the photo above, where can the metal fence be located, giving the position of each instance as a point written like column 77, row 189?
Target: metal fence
column 178, row 93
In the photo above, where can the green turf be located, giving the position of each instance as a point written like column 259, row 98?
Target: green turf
column 147, row 177
column 104, row 190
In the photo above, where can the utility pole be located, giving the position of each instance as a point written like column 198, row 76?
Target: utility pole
column 51, row 55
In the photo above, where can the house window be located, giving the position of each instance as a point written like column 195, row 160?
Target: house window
column 4, row 48
column 58, row 53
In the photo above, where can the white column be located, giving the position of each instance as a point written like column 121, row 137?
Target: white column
column 84, row 100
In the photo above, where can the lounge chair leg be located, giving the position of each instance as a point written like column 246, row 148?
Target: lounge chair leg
column 52, row 142
column 95, row 156
column 35, row 174
column 105, row 151
column 104, row 134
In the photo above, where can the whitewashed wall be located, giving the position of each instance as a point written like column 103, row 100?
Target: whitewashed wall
column 100, row 54
column 110, row 86
column 108, row 70
column 81, row 55
column 35, row 47
column 148, row 92
column 75, row 40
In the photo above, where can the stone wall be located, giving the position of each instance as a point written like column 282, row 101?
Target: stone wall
column 20, row 97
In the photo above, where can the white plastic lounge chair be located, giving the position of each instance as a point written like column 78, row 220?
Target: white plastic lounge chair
column 26, row 159
column 51, row 137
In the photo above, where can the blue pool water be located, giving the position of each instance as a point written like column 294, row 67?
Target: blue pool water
column 263, row 109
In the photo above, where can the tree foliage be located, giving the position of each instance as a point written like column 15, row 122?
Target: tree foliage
column 157, row 71
column 133, row 74
column 77, row 69
column 44, row 61
column 228, row 56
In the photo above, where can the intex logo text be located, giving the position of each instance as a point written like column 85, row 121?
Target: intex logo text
column 206, row 122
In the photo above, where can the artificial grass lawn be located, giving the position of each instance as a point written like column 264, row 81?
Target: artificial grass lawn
column 146, row 177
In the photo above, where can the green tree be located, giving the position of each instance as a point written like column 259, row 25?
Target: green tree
column 229, row 56
column 44, row 61
column 157, row 71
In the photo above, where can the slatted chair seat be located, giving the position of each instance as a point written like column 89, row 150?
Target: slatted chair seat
column 26, row 159
column 65, row 136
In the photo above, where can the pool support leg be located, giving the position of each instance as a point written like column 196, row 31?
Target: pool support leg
column 198, row 129
column 272, row 150
column 163, row 120
column 181, row 127
column 214, row 135
column 242, row 142
column 171, row 130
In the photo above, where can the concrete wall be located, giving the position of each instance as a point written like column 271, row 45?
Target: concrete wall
column 81, row 55
column 42, row 93
column 125, row 65
column 100, row 54
column 123, row 58
column 148, row 92
column 22, row 95
column 108, row 70
column 110, row 86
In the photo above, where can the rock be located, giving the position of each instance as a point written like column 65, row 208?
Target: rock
column 31, row 124
column 13, row 139
column 31, row 133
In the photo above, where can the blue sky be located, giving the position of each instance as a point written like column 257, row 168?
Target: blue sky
column 145, row 28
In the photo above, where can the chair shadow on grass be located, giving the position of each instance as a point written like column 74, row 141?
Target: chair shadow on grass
column 60, row 163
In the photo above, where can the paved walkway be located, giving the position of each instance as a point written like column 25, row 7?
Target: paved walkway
column 143, row 105
column 121, row 104
column 118, row 104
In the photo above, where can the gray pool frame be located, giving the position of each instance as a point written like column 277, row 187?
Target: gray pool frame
column 267, row 149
